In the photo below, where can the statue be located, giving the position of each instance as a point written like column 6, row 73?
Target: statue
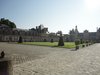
column 2, row 54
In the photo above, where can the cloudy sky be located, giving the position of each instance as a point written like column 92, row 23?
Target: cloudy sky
column 55, row 14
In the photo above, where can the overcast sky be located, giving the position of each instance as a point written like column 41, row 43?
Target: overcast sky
column 55, row 14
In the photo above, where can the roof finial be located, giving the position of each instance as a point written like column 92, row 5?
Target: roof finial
column 97, row 28
column 76, row 27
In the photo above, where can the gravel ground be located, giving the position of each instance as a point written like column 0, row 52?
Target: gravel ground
column 37, row 60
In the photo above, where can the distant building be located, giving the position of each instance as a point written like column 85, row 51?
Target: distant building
column 8, row 34
column 41, row 29
column 40, row 33
column 74, row 34
column 98, row 35
column 86, row 35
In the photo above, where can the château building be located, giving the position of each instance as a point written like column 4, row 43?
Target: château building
column 41, row 33
column 86, row 35
column 13, row 34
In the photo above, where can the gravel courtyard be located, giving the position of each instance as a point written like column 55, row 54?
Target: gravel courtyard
column 37, row 60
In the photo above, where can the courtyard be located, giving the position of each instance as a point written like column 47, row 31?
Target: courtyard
column 39, row 60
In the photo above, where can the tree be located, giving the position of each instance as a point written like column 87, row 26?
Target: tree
column 87, row 41
column 12, row 25
column 44, row 40
column 20, row 40
column 52, row 41
column 77, row 43
column 7, row 22
column 61, row 42
column 81, row 41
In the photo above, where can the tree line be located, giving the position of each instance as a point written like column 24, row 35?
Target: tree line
column 7, row 22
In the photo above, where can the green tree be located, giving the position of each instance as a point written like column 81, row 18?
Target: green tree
column 61, row 42
column 77, row 43
column 52, row 41
column 81, row 41
column 45, row 40
column 7, row 22
column 20, row 40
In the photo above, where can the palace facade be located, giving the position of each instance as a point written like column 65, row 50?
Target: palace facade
column 41, row 33
column 85, row 36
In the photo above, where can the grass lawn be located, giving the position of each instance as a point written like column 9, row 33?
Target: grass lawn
column 54, row 44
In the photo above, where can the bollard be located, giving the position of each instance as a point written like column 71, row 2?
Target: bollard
column 83, row 46
column 6, row 67
column 86, row 44
column 77, row 47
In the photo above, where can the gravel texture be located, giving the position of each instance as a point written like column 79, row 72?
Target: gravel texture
column 37, row 60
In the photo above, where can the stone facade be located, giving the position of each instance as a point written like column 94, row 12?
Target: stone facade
column 40, row 33
column 74, row 34
column 34, row 34
column 8, row 34
column 86, row 35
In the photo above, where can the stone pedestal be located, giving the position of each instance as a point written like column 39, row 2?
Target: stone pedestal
column 5, row 67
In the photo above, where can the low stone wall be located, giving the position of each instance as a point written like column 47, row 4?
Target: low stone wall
column 6, row 67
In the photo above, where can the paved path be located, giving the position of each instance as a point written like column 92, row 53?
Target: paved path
column 54, row 61
column 25, row 52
